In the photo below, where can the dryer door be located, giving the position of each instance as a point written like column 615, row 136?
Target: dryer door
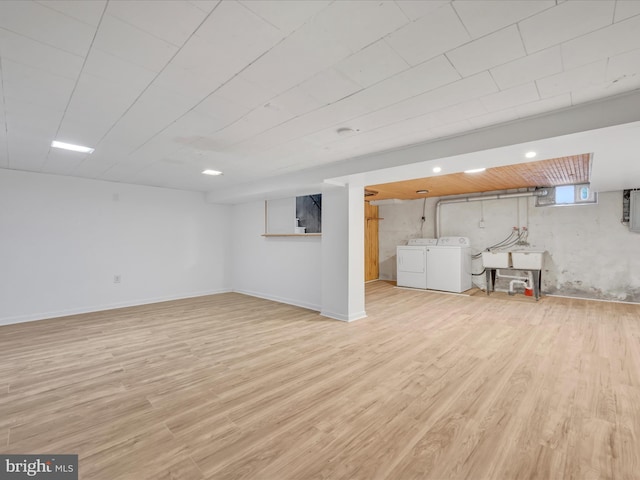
column 412, row 266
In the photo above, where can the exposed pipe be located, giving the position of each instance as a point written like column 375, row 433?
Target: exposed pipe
column 477, row 198
column 527, row 280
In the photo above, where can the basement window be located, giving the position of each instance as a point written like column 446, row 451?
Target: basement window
column 564, row 195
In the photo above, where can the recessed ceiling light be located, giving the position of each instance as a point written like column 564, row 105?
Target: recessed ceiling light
column 211, row 172
column 530, row 154
column 437, row 169
column 72, row 147
column 422, row 192
column 475, row 170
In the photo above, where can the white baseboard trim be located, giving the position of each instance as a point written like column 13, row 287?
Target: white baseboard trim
column 32, row 317
column 344, row 318
column 275, row 298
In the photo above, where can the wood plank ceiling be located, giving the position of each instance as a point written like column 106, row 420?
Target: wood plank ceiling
column 543, row 173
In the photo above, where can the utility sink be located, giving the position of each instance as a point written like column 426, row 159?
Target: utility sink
column 522, row 258
column 496, row 259
column 527, row 259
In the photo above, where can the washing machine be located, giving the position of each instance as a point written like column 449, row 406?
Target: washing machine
column 411, row 261
column 449, row 265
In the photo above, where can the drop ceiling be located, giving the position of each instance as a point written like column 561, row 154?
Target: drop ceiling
column 258, row 89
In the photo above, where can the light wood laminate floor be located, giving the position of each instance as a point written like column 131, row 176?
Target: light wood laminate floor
column 429, row 386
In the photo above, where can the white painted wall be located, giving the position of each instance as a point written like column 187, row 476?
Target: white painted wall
column 284, row 269
column 590, row 253
column 343, row 253
column 63, row 239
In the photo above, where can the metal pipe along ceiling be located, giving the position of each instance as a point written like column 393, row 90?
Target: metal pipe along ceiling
column 477, row 198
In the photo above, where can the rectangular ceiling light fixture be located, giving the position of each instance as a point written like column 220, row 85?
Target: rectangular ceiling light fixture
column 72, row 147
column 212, row 172
column 475, row 170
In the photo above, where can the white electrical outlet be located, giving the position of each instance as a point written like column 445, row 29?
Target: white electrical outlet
column 117, row 278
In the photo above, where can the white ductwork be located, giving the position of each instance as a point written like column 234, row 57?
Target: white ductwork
column 477, row 198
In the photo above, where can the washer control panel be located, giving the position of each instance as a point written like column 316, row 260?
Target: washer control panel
column 454, row 241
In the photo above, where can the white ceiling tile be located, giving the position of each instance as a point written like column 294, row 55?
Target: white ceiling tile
column 605, row 89
column 245, row 92
column 297, row 102
column 234, row 32
column 62, row 162
column 494, row 118
column 31, row 85
column 87, row 12
column 25, row 153
column 564, row 22
column 486, row 52
column 171, row 20
column 606, row 42
column 199, row 57
column 29, row 119
column 451, row 129
column 205, row 5
column 390, row 134
column 545, row 105
column 625, row 65
column 372, row 64
column 416, row 9
column 626, row 9
column 161, row 145
column 77, row 130
column 119, row 172
column 285, row 14
column 375, row 19
column 221, row 108
column 312, row 122
column 133, row 45
column 95, row 107
column 192, row 74
column 462, row 111
column 571, row 80
column 511, row 97
column 39, row 55
column 255, row 122
column 38, row 22
column 120, row 73
column 487, row 16
column 94, row 96
column 163, row 174
column 422, row 78
column 329, row 86
column 434, row 100
column 93, row 165
column 155, row 111
column 532, row 67
column 432, row 35
column 298, row 57
column 192, row 125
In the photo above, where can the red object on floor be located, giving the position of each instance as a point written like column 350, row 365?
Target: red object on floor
column 528, row 292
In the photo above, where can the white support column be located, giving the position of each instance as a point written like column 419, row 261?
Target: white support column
column 343, row 253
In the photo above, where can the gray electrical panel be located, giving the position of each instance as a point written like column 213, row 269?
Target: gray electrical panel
column 634, row 211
